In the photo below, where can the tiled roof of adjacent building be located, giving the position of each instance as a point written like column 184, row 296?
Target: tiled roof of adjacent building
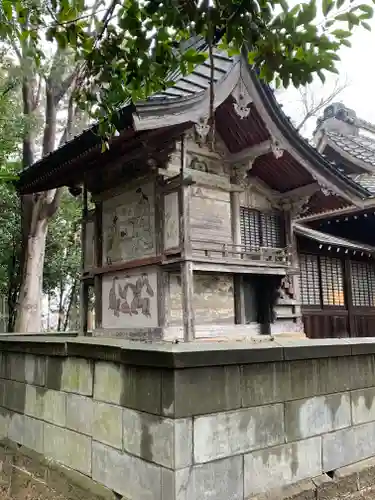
column 359, row 146
column 365, row 180
column 328, row 239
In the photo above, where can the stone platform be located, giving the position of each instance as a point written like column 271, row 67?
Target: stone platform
column 189, row 421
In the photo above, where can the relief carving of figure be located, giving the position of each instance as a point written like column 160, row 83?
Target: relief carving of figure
column 130, row 304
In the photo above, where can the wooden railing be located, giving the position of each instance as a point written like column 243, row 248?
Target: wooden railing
column 218, row 251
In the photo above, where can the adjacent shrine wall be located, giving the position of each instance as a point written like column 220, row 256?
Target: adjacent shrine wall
column 286, row 419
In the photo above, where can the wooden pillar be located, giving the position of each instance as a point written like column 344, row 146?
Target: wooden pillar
column 186, row 267
column 291, row 243
column 187, row 288
column 98, row 224
column 84, row 295
column 349, row 297
column 238, row 286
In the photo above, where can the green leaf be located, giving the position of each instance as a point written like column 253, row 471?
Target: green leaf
column 327, row 6
column 367, row 9
column 345, row 42
column 7, row 8
column 341, row 33
column 365, row 25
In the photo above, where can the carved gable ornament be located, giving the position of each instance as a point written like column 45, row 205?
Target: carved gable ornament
column 242, row 100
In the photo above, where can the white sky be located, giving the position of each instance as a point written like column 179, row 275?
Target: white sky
column 358, row 67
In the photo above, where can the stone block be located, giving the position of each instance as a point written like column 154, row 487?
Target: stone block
column 317, row 415
column 300, row 379
column 79, row 413
column 26, row 431
column 35, row 369
column 262, row 383
column 4, row 422
column 68, row 447
column 282, row 465
column 335, row 374
column 107, row 424
column 77, row 376
column 196, row 391
column 142, row 389
column 363, row 405
column 16, row 366
column 219, row 480
column 225, row 434
column 34, row 403
column 108, row 384
column 157, row 439
column 46, row 404
column 132, row 387
column 347, row 446
column 54, row 408
column 125, row 474
column 14, row 395
column 362, row 371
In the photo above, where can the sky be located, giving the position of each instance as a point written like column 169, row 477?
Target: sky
column 357, row 66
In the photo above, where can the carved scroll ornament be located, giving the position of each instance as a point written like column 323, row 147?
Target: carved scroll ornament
column 242, row 100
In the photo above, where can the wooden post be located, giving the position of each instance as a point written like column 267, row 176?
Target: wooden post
column 187, row 288
column 349, row 297
column 187, row 276
column 98, row 223
column 291, row 244
column 238, row 287
column 84, row 297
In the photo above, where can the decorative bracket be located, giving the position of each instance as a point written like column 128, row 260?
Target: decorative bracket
column 326, row 190
column 296, row 206
column 240, row 171
column 242, row 100
column 202, row 129
column 276, row 148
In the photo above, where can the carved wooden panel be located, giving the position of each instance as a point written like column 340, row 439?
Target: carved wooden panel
column 129, row 225
column 210, row 215
column 213, row 300
column 171, row 221
column 130, row 299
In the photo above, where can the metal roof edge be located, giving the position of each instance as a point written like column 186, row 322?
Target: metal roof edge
column 321, row 237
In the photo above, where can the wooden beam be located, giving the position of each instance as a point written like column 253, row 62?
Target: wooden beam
column 300, row 192
column 122, row 266
column 187, row 288
column 252, row 152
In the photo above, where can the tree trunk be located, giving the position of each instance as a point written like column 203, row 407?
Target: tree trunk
column 70, row 304
column 61, row 308
column 29, row 307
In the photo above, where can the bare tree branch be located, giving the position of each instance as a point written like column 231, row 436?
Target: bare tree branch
column 312, row 107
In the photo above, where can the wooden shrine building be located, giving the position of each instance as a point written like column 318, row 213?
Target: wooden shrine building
column 187, row 240
column 337, row 246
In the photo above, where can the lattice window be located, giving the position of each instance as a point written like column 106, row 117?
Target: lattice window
column 260, row 229
column 309, row 280
column 271, row 229
column 363, row 284
column 250, row 228
column 332, row 282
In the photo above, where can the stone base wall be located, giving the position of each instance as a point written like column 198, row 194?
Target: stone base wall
column 193, row 422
